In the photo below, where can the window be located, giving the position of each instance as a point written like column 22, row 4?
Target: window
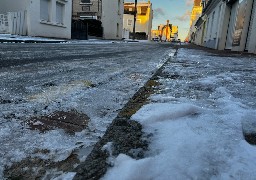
column 45, row 10
column 119, row 6
column 86, row 8
column 212, row 23
column 59, row 12
column 207, row 28
column 139, row 10
column 144, row 10
column 86, row 1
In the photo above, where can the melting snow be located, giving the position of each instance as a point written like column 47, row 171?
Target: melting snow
column 197, row 123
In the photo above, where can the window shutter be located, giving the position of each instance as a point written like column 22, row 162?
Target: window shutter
column 44, row 10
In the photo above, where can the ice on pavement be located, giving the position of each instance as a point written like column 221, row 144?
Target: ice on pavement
column 12, row 37
column 18, row 37
column 66, row 176
column 38, row 89
column 197, row 122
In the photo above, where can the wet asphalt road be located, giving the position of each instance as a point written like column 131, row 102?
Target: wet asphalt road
column 21, row 54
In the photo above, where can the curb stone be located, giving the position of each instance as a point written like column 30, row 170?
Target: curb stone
column 29, row 41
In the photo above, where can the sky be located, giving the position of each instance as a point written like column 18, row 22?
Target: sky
column 177, row 11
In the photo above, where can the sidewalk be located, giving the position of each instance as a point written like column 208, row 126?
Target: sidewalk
column 8, row 38
column 195, row 112
column 223, row 53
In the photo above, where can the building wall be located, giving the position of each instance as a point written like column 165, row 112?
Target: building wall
column 13, row 16
column 14, row 22
column 155, row 33
column 128, row 20
column 150, row 21
column 231, row 24
column 172, row 34
column 224, row 22
column 126, row 34
column 13, row 5
column 244, row 33
column 87, row 10
column 35, row 26
column 4, row 23
column 143, row 21
column 175, row 30
column 210, row 37
column 112, row 18
column 252, row 40
column 166, row 32
column 195, row 14
column 50, row 28
column 215, row 27
column 199, row 34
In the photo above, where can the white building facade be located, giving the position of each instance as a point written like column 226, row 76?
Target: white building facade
column 239, row 32
column 144, row 18
column 112, row 19
column 44, row 18
column 216, row 16
column 229, row 25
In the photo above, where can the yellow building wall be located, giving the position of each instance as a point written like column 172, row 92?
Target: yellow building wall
column 195, row 14
column 162, row 32
column 175, row 31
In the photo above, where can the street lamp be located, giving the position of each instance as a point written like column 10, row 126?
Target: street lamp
column 134, row 20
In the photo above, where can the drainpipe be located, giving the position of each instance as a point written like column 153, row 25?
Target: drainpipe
column 99, row 13
column 134, row 20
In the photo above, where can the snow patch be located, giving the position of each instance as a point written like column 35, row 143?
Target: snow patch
column 66, row 176
column 164, row 111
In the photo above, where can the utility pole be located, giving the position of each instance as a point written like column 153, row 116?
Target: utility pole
column 167, row 26
column 134, row 20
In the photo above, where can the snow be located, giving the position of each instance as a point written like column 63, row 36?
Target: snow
column 161, row 112
column 12, row 37
column 60, row 175
column 108, row 148
column 25, row 38
column 197, row 122
column 65, row 176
